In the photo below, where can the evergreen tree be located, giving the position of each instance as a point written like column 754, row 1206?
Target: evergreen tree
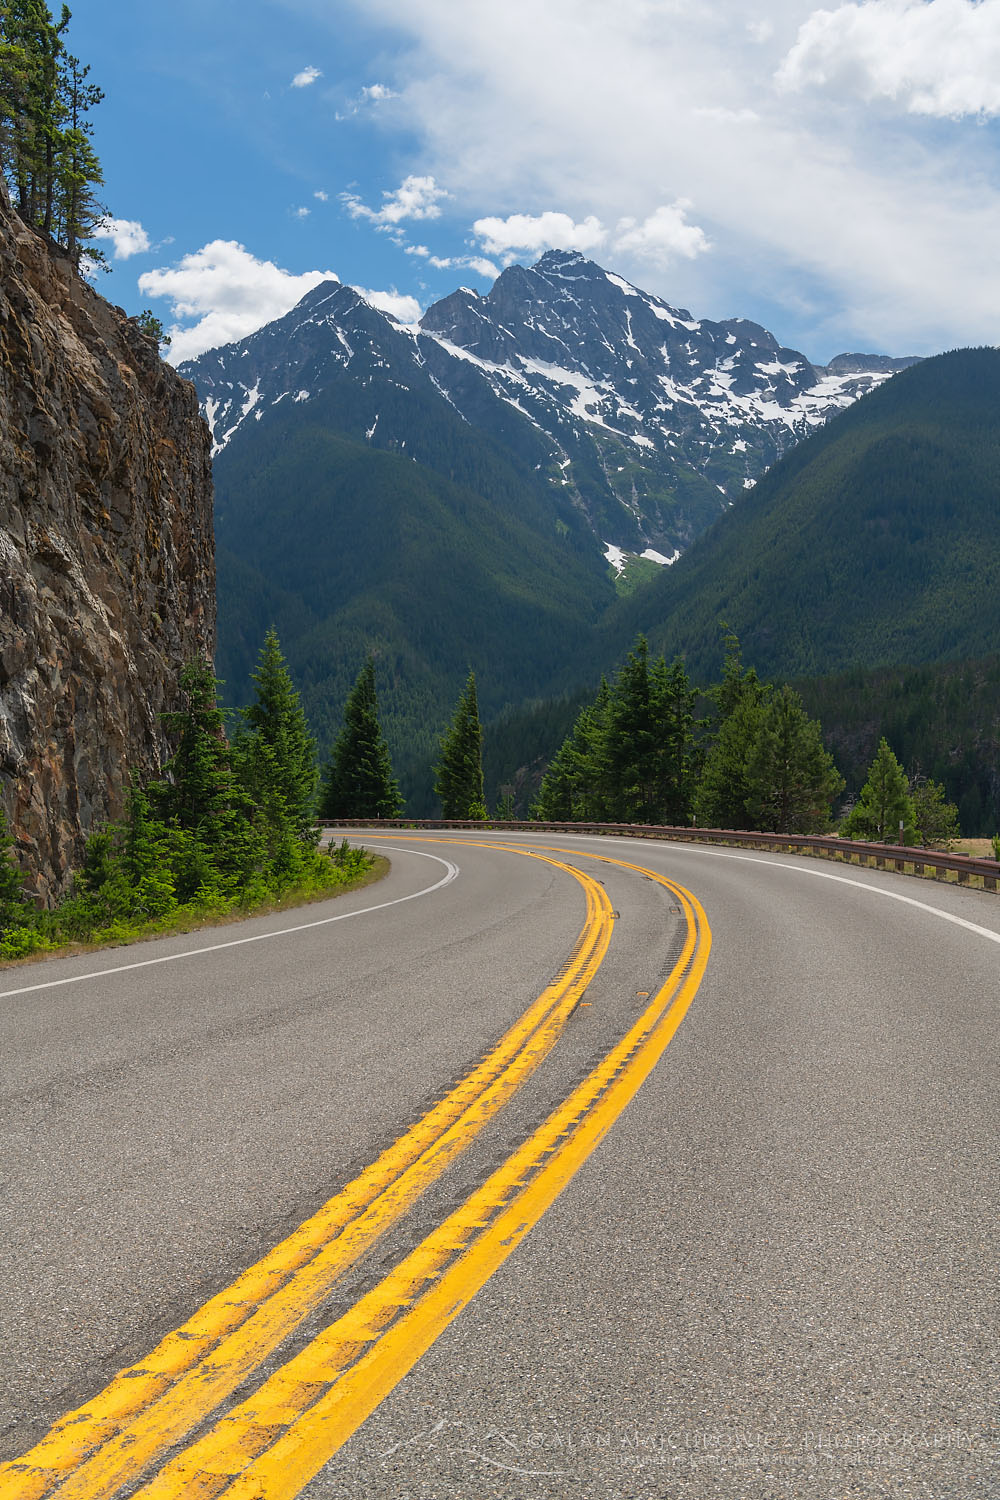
column 459, row 772
column 46, row 154
column 725, row 785
column 632, row 742
column 359, row 781
column 276, row 724
column 201, row 796
column 14, row 910
column 572, row 787
column 884, row 803
column 936, row 819
column 791, row 776
column 675, row 699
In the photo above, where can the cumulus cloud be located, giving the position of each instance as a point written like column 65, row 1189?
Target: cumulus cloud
column 371, row 96
column 829, row 220
column 227, row 291
column 127, row 237
column 415, row 198
column 537, row 232
column 660, row 237
column 323, row 197
column 400, row 307
column 306, row 77
column 301, row 213
column 935, row 57
column 477, row 263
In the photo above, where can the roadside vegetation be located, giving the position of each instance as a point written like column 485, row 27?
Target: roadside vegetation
column 226, row 830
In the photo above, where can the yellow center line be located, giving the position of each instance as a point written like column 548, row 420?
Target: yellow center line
column 271, row 1445
column 95, row 1450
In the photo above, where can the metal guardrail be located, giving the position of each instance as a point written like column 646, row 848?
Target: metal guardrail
column 824, row 846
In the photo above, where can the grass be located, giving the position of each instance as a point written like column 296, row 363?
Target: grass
column 194, row 919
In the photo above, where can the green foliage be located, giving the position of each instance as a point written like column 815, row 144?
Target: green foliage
column 277, row 751
column 359, row 781
column 875, row 541
column 995, row 841
column 884, row 806
column 791, row 776
column 151, row 326
column 459, row 772
column 47, row 157
column 226, row 828
column 936, row 819
column 630, row 756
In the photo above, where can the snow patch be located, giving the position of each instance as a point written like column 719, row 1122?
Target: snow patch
column 615, row 556
column 658, row 557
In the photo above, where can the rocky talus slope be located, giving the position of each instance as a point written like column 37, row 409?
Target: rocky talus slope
column 107, row 571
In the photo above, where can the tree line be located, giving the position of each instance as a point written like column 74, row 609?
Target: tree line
column 642, row 751
column 231, row 821
column 48, row 159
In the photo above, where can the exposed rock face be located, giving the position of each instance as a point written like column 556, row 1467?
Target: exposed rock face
column 107, row 568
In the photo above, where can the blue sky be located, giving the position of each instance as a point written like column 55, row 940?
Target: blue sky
column 833, row 173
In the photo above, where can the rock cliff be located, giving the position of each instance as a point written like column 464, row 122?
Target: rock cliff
column 107, row 570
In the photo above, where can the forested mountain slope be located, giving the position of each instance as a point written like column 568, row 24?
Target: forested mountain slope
column 876, row 541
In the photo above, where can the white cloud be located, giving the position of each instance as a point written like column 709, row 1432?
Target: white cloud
column 306, row 77
column 477, row 263
column 829, row 221
column 538, row 232
column 415, row 198
column 228, row 291
column 301, row 213
column 127, row 237
column 400, row 307
column 936, row 57
column 377, row 93
column 323, row 197
column 660, row 237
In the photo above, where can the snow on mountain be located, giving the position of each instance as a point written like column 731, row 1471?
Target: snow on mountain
column 651, row 421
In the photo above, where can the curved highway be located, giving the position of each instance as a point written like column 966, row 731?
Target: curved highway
column 549, row 1166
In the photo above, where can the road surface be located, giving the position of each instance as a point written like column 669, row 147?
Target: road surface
column 755, row 1256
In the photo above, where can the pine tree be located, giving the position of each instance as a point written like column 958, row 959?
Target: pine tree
column 721, row 796
column 791, row 776
column 572, row 787
column 459, row 773
column 276, row 720
column 14, row 910
column 201, row 796
column 359, row 781
column 674, row 699
column 936, row 819
column 46, row 154
column 883, row 804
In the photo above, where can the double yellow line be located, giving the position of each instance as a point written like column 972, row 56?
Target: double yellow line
column 272, row 1444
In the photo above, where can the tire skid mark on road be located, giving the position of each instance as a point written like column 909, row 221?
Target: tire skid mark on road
column 272, row 1444
column 106, row 1444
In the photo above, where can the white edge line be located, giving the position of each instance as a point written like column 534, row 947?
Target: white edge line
column 804, row 869
column 452, row 871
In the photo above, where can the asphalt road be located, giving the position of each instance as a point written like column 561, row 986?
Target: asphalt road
column 775, row 1276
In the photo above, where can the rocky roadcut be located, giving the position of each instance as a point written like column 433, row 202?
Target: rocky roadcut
column 107, row 558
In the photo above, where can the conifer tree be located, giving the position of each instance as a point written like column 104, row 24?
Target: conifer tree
column 276, row 753
column 46, row 154
column 359, row 781
column 790, row 774
column 459, row 773
column 572, row 787
column 883, row 804
column 13, row 907
column 201, row 796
